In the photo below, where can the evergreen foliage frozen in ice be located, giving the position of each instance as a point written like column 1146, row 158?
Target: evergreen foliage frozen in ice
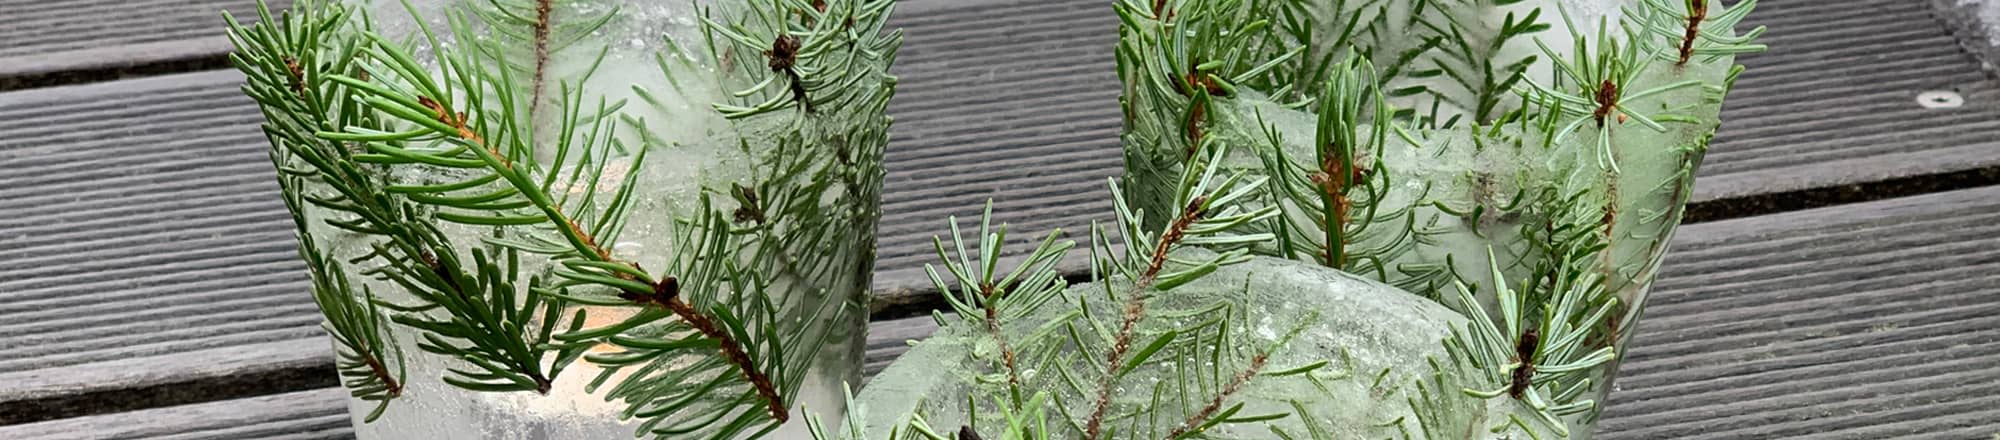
column 1506, row 173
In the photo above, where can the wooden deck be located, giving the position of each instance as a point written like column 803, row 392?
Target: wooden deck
column 1844, row 280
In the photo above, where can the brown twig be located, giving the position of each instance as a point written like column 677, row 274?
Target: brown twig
column 1160, row 11
column 1194, row 421
column 1607, row 102
column 1334, row 178
column 1697, row 11
column 1606, row 260
column 457, row 122
column 438, row 269
column 733, row 350
column 1190, row 214
column 751, row 209
column 1524, row 352
column 667, row 294
column 1611, row 325
column 1197, row 111
column 381, row 372
column 1135, row 308
column 1007, row 355
column 784, row 54
column 543, row 10
column 298, row 75
column 1196, row 114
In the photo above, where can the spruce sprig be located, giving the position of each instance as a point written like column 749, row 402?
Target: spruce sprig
column 1181, row 56
column 1305, row 23
column 1593, row 86
column 817, row 54
column 780, row 228
column 1230, row 368
column 995, row 303
column 675, row 382
column 1439, row 409
column 498, row 182
column 292, row 69
column 397, row 150
column 811, row 190
column 1688, row 29
column 1468, row 69
column 1544, row 358
column 370, row 364
column 527, row 37
column 1077, row 351
column 1211, row 213
column 1335, row 210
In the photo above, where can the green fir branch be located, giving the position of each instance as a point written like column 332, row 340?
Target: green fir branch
column 1335, row 213
column 364, row 343
column 1210, row 213
column 1593, row 86
column 292, row 73
column 817, row 55
column 994, row 303
column 347, row 107
column 1468, row 69
column 1543, row 358
column 1439, row 410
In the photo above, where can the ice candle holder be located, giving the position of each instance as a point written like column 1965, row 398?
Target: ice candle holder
column 588, row 219
column 1458, row 208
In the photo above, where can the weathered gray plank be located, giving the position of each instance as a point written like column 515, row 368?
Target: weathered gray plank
column 1876, row 320
column 1868, row 321
column 1021, row 109
column 303, row 415
column 143, row 255
column 67, row 41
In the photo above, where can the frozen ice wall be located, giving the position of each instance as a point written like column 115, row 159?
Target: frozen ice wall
column 1359, row 328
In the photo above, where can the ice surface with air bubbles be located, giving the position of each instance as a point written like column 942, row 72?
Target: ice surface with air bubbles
column 1359, row 327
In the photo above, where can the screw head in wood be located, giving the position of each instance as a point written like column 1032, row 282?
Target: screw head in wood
column 1940, row 99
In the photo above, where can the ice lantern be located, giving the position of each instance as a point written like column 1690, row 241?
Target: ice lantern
column 1474, row 198
column 1520, row 149
column 587, row 219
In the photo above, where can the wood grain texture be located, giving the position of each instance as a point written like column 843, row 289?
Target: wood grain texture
column 1879, row 320
column 319, row 414
column 145, row 258
column 66, row 41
